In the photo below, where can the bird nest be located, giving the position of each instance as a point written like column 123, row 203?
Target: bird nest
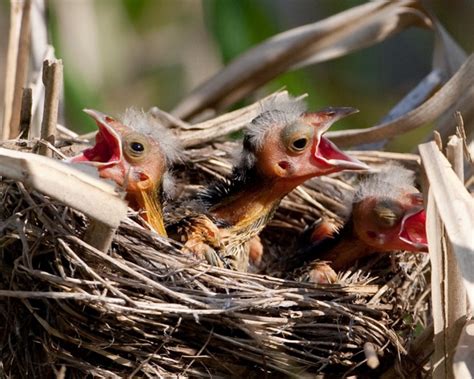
column 145, row 309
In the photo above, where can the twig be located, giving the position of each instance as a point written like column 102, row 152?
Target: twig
column 60, row 296
column 66, row 131
column 52, row 79
column 419, row 353
column 169, row 118
column 25, row 114
column 38, row 95
column 461, row 133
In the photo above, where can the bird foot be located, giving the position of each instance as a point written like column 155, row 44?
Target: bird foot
column 203, row 251
column 255, row 251
column 322, row 273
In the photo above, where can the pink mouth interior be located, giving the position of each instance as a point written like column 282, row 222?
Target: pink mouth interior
column 414, row 229
column 106, row 149
column 329, row 155
column 326, row 150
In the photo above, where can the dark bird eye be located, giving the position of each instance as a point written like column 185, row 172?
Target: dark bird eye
column 137, row 147
column 388, row 213
column 300, row 143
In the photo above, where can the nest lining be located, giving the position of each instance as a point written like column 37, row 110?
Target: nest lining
column 145, row 309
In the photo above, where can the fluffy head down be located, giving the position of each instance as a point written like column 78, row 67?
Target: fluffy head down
column 392, row 180
column 281, row 110
column 144, row 123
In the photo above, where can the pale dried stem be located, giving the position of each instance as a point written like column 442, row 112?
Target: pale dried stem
column 21, row 69
column 52, row 79
column 16, row 10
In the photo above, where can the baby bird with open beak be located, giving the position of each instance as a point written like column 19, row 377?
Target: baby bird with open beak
column 135, row 151
column 283, row 147
column 387, row 215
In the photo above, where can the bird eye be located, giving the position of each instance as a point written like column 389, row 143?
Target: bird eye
column 135, row 146
column 388, row 213
column 296, row 136
column 300, row 144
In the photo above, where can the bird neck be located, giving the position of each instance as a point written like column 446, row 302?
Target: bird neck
column 247, row 206
column 247, row 198
column 346, row 250
column 151, row 202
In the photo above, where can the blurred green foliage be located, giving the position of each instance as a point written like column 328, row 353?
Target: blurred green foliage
column 237, row 26
column 135, row 10
column 373, row 79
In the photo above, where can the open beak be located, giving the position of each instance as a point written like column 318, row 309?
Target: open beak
column 108, row 146
column 412, row 231
column 327, row 153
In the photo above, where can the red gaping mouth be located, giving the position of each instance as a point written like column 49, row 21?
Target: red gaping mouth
column 329, row 155
column 326, row 153
column 413, row 230
column 108, row 147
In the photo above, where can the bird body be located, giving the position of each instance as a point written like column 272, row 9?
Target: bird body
column 387, row 215
column 283, row 147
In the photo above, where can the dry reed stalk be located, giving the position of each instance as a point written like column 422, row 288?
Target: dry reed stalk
column 430, row 110
column 450, row 208
column 463, row 362
column 335, row 36
column 16, row 9
column 92, row 196
column 38, row 90
column 21, row 68
column 52, row 80
column 25, row 114
column 456, row 309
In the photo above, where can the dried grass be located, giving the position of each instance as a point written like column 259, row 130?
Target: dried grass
column 145, row 309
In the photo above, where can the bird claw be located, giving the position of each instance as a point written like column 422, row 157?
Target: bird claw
column 213, row 258
column 202, row 250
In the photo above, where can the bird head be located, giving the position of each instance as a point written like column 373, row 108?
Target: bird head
column 388, row 212
column 287, row 143
column 135, row 152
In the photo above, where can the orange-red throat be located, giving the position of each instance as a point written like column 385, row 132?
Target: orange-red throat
column 133, row 159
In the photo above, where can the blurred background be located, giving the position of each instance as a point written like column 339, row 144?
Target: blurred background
column 120, row 53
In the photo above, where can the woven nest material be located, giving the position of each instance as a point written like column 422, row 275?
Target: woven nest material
column 146, row 310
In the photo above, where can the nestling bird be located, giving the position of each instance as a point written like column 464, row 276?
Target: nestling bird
column 135, row 152
column 283, row 147
column 387, row 215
